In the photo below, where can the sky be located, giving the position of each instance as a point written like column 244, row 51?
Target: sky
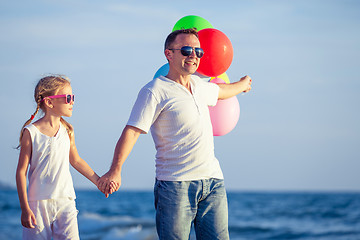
column 298, row 128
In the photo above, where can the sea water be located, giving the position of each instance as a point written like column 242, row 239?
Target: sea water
column 252, row 215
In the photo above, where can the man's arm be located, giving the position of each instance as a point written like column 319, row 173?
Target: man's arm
column 233, row 89
column 123, row 148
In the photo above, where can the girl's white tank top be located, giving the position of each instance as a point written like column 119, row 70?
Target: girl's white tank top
column 49, row 171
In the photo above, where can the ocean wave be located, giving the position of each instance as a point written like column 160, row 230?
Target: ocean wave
column 98, row 226
column 131, row 215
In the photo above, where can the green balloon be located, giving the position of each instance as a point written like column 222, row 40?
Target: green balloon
column 192, row 21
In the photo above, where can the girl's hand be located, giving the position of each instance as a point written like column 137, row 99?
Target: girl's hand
column 28, row 219
column 113, row 187
column 109, row 183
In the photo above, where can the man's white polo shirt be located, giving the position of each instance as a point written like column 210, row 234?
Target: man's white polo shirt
column 180, row 126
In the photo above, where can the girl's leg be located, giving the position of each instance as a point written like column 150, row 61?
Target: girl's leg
column 43, row 215
column 66, row 225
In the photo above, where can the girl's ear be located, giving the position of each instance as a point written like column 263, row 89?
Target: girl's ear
column 48, row 103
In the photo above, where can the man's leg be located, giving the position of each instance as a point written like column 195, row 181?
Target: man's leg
column 211, row 221
column 175, row 204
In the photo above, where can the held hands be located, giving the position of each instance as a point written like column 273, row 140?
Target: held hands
column 108, row 184
column 113, row 187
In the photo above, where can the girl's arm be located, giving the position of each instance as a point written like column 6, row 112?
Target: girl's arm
column 79, row 164
column 27, row 216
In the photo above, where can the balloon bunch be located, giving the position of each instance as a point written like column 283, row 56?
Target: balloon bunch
column 218, row 55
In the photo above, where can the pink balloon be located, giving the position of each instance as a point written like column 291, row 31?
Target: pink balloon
column 224, row 116
column 217, row 80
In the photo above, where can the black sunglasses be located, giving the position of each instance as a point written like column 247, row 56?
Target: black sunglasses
column 187, row 51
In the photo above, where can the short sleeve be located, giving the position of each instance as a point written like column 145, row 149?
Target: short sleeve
column 209, row 91
column 144, row 111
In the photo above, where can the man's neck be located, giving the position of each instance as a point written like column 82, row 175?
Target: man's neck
column 181, row 79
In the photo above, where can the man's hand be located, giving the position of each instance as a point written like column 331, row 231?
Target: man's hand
column 247, row 83
column 228, row 90
column 109, row 183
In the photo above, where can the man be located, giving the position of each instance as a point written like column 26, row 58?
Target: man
column 189, row 182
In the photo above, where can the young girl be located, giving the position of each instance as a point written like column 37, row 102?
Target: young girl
column 47, row 146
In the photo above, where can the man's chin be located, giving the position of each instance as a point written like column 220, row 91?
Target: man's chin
column 192, row 71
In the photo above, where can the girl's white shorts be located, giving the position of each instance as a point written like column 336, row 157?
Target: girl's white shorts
column 55, row 218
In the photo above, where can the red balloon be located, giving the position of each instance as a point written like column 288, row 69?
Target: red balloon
column 218, row 52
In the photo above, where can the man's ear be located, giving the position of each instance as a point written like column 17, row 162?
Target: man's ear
column 168, row 54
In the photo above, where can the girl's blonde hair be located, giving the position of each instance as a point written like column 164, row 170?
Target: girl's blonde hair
column 48, row 86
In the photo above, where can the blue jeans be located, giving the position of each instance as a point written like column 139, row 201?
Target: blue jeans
column 202, row 202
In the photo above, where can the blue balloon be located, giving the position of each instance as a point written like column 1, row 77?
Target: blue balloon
column 163, row 71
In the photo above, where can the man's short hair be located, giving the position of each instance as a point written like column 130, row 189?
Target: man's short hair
column 172, row 36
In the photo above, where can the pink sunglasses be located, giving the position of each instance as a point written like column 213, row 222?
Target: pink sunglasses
column 68, row 97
